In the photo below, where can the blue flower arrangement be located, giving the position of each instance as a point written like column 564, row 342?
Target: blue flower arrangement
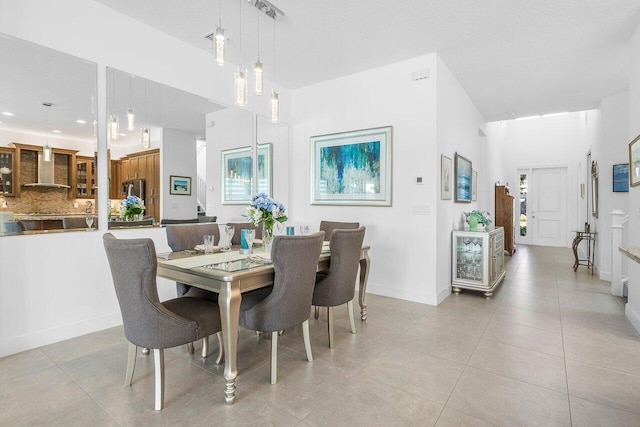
column 265, row 210
column 132, row 205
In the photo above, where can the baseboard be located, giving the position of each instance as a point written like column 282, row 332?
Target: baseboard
column 42, row 337
column 409, row 295
column 605, row 275
column 633, row 316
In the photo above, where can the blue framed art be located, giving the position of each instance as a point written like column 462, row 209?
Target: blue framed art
column 352, row 168
column 237, row 174
column 621, row 178
column 462, row 176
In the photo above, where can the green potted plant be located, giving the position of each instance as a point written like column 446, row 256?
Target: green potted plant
column 476, row 217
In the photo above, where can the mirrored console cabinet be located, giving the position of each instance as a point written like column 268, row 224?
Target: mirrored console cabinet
column 478, row 260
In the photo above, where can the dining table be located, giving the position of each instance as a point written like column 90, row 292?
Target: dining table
column 230, row 274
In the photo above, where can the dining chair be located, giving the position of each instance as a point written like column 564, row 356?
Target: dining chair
column 12, row 227
column 336, row 286
column 207, row 218
column 129, row 224
column 288, row 303
column 149, row 323
column 329, row 226
column 167, row 221
column 71, row 222
column 235, row 240
column 183, row 237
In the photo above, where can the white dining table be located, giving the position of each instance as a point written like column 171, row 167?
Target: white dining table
column 230, row 274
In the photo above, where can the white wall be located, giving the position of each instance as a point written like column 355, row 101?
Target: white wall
column 633, row 307
column 612, row 149
column 547, row 141
column 458, row 121
column 179, row 159
column 403, row 251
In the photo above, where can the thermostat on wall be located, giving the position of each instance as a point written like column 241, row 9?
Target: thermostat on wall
column 419, row 180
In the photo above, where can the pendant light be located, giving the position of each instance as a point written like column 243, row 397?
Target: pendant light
column 46, row 150
column 130, row 113
column 258, row 73
column 219, row 38
column 241, row 74
column 146, row 134
column 275, row 97
column 114, row 121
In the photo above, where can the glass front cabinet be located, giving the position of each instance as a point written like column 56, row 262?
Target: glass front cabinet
column 478, row 260
column 7, row 166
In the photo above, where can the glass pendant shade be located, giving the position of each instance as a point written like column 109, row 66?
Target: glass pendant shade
column 146, row 138
column 220, row 45
column 275, row 107
column 114, row 127
column 259, row 77
column 241, row 87
column 130, row 119
column 46, row 152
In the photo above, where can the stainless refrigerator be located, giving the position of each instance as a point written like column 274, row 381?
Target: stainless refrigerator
column 134, row 187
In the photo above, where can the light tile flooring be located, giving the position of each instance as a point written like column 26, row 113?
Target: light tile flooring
column 552, row 347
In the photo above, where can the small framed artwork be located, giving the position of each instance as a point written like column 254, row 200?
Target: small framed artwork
column 352, row 168
column 445, row 177
column 474, row 185
column 634, row 162
column 621, row 178
column 462, row 176
column 180, row 185
column 594, row 189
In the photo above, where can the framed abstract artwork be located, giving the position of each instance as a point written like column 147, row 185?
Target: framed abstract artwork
column 180, row 185
column 634, row 162
column 474, row 186
column 352, row 168
column 621, row 178
column 237, row 174
column 462, row 174
column 445, row 177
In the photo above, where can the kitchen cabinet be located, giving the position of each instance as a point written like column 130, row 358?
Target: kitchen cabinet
column 7, row 168
column 143, row 165
column 115, row 188
column 478, row 260
column 85, row 177
column 504, row 217
column 124, row 170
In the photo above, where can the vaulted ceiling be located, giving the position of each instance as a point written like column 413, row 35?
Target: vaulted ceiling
column 517, row 57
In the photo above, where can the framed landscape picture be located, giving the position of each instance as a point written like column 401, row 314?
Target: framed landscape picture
column 180, row 185
column 352, row 168
column 445, row 177
column 621, row 178
column 462, row 174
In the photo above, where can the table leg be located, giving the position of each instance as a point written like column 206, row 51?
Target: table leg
column 365, row 263
column 229, row 302
column 575, row 244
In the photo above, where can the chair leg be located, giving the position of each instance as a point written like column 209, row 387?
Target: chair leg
column 274, row 357
column 205, row 347
column 145, row 351
column 317, row 312
column 330, row 316
column 190, row 348
column 220, row 358
column 158, row 357
column 353, row 323
column 307, row 341
column 131, row 364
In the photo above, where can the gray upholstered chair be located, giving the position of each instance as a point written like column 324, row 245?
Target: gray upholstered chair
column 207, row 218
column 70, row 222
column 288, row 303
column 235, row 240
column 336, row 286
column 166, row 221
column 148, row 322
column 12, row 227
column 329, row 226
column 188, row 236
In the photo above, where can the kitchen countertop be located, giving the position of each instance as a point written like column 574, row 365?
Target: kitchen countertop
column 632, row 252
column 42, row 216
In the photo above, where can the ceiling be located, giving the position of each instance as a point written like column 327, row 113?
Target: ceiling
column 514, row 58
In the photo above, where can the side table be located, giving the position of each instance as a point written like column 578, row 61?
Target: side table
column 590, row 237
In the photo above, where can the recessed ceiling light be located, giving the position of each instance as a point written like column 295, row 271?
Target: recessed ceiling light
column 56, row 131
column 123, row 134
column 81, row 121
column 7, row 113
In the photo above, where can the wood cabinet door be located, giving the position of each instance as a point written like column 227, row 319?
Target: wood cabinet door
column 124, row 170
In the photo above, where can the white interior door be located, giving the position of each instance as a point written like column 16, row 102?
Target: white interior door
column 548, row 194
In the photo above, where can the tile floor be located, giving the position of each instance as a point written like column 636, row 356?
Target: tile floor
column 552, row 347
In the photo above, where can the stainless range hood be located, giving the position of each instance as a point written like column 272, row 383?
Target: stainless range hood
column 45, row 174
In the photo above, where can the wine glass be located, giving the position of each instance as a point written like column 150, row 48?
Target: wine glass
column 280, row 228
column 89, row 221
column 304, row 229
column 229, row 231
column 249, row 236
